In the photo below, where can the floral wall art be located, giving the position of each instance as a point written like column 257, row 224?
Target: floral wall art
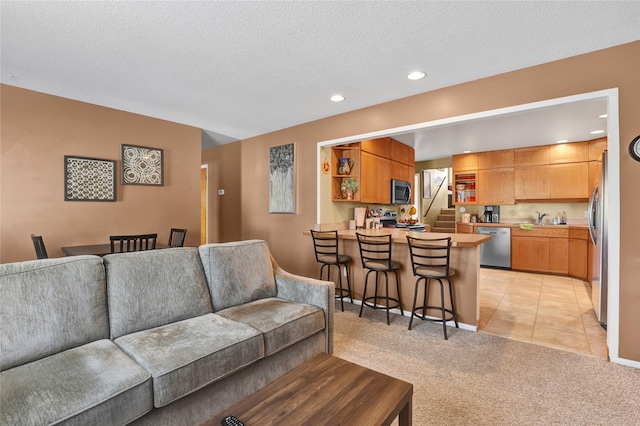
column 282, row 179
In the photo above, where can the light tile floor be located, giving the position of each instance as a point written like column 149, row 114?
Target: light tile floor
column 543, row 309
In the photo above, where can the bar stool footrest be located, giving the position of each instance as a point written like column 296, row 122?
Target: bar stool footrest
column 373, row 305
column 439, row 309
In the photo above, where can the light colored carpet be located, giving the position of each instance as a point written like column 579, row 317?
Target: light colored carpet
column 480, row 379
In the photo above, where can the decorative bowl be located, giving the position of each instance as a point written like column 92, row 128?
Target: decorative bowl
column 461, row 186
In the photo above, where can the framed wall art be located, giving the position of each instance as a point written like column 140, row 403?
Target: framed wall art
column 142, row 165
column 89, row 179
column 282, row 179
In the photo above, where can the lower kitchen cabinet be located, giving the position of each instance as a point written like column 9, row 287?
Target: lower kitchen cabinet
column 530, row 253
column 579, row 253
column 558, row 255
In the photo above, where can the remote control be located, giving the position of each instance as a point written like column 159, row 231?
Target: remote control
column 231, row 421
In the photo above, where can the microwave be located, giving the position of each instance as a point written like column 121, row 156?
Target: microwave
column 400, row 192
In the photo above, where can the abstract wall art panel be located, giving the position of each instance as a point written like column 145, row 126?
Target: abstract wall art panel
column 142, row 165
column 282, row 179
column 89, row 179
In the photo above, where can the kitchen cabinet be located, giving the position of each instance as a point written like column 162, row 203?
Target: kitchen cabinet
column 531, row 183
column 464, row 228
column 530, row 253
column 380, row 147
column 532, row 156
column 569, row 181
column 402, row 153
column 596, row 148
column 375, row 179
column 465, row 187
column 574, row 152
column 495, row 159
column 496, row 186
column 465, row 162
column 578, row 253
column 351, row 152
column 543, row 249
column 373, row 168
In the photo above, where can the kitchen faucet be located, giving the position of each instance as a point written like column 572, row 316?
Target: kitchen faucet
column 540, row 216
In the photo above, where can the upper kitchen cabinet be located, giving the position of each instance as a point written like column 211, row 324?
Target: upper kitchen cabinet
column 380, row 147
column 596, row 147
column 496, row 159
column 532, row 156
column 375, row 179
column 496, row 186
column 532, row 183
column 569, row 152
column 373, row 163
column 465, row 162
column 569, row 181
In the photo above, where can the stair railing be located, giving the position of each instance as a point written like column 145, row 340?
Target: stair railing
column 434, row 196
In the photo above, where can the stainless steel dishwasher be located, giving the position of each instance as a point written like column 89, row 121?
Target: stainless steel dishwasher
column 495, row 253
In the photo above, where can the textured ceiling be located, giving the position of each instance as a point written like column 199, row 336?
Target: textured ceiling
column 238, row 69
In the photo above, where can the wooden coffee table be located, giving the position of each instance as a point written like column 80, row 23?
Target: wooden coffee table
column 326, row 390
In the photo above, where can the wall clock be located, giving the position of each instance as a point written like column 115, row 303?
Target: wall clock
column 634, row 148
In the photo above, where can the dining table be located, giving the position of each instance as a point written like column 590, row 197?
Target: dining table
column 96, row 249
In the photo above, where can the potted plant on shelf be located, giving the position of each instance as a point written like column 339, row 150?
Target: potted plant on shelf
column 349, row 187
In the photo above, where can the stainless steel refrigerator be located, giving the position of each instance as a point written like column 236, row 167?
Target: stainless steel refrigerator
column 598, row 205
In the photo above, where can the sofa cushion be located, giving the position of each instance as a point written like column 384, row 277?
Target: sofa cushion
column 152, row 288
column 92, row 384
column 184, row 356
column 238, row 272
column 283, row 323
column 50, row 305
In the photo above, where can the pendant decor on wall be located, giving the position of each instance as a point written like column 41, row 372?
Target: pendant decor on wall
column 142, row 165
column 89, row 179
column 282, row 179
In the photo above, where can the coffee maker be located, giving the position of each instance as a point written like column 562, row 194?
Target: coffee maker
column 492, row 214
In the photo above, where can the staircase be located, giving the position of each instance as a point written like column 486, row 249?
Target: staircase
column 446, row 221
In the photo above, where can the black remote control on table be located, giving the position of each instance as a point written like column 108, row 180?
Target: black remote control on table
column 231, row 421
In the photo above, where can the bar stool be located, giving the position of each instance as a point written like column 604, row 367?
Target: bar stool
column 325, row 245
column 375, row 253
column 430, row 261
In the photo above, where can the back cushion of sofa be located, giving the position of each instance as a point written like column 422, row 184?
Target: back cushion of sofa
column 148, row 289
column 51, row 305
column 238, row 272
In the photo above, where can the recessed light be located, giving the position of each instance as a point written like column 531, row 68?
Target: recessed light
column 603, row 115
column 416, row 75
column 562, row 141
column 337, row 98
column 466, row 152
column 595, row 132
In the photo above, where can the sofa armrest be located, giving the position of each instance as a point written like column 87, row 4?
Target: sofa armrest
column 301, row 289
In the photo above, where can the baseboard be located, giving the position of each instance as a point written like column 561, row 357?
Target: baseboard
column 396, row 311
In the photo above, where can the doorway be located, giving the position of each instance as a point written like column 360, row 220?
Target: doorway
column 613, row 176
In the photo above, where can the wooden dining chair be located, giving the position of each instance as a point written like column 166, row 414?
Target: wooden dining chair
column 38, row 243
column 127, row 243
column 176, row 237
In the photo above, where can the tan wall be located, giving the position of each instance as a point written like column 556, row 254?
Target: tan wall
column 38, row 130
column 609, row 68
column 224, row 210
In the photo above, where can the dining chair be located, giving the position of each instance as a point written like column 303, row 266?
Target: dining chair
column 38, row 243
column 176, row 237
column 127, row 243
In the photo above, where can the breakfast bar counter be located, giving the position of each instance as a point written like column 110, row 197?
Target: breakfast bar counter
column 465, row 259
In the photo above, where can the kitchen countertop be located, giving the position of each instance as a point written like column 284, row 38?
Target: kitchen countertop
column 517, row 225
column 400, row 236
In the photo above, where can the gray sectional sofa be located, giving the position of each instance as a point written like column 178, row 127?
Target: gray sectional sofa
column 158, row 337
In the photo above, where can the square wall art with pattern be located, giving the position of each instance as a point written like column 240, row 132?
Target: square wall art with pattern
column 282, row 179
column 89, row 179
column 141, row 165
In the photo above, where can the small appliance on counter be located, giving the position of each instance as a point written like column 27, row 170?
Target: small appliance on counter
column 492, row 214
column 389, row 218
